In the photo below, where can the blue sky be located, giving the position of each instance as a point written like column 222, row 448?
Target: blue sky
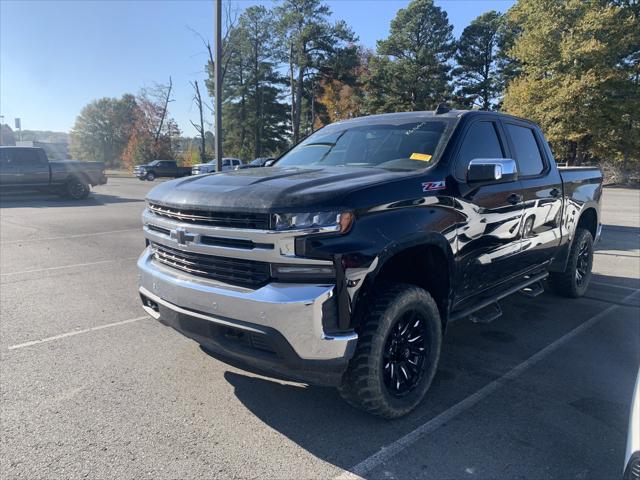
column 56, row 56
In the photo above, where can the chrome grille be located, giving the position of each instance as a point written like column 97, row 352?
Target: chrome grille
column 255, row 221
column 234, row 271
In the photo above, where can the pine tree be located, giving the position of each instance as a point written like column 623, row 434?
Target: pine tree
column 411, row 70
column 477, row 74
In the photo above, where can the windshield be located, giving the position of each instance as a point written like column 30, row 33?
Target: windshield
column 154, row 163
column 408, row 146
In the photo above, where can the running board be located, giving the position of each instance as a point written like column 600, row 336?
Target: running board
column 486, row 315
column 533, row 290
column 528, row 281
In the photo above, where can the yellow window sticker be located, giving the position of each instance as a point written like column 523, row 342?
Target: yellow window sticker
column 423, row 157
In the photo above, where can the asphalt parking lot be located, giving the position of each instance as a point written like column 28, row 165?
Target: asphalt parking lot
column 92, row 388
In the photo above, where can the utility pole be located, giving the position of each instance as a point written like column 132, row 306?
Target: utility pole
column 218, row 84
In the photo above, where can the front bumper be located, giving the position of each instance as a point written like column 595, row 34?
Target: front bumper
column 277, row 328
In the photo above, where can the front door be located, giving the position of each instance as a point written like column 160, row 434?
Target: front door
column 489, row 238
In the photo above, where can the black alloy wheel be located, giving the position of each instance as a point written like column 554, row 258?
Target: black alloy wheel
column 405, row 354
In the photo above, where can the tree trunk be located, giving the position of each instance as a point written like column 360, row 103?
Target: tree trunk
column 292, row 86
column 164, row 111
column 257, row 148
column 202, row 142
column 298, row 105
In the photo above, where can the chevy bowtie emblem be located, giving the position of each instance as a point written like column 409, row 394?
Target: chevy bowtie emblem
column 181, row 236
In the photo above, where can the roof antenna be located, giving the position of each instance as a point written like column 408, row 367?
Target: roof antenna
column 441, row 108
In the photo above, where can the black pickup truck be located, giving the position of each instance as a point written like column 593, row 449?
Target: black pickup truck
column 344, row 262
column 28, row 168
column 160, row 168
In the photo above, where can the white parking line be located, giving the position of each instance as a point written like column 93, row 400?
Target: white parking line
column 389, row 451
column 75, row 332
column 66, row 266
column 80, row 235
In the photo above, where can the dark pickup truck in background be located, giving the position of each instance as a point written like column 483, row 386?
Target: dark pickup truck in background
column 344, row 262
column 28, row 168
column 160, row 168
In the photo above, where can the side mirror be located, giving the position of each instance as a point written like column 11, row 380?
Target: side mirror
column 269, row 163
column 492, row 170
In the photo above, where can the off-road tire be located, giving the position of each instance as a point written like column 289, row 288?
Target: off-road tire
column 566, row 283
column 150, row 176
column 77, row 188
column 363, row 383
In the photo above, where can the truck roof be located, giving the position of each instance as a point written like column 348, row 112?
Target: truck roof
column 406, row 116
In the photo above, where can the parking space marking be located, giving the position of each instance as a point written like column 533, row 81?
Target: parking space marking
column 75, row 332
column 37, row 270
column 389, row 451
column 80, row 235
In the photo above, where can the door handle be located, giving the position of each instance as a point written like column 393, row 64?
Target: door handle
column 514, row 198
column 555, row 193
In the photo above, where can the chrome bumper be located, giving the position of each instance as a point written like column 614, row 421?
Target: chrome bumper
column 293, row 310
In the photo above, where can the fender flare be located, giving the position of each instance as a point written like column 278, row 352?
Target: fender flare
column 431, row 239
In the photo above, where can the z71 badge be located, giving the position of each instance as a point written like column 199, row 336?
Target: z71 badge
column 431, row 186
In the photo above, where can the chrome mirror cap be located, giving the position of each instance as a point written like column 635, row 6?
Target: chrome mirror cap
column 492, row 170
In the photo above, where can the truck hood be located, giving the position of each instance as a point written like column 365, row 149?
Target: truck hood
column 269, row 189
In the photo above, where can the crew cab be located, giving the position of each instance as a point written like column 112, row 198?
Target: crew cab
column 210, row 167
column 344, row 263
column 28, row 168
column 160, row 168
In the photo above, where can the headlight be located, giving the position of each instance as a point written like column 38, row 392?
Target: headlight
column 143, row 170
column 338, row 222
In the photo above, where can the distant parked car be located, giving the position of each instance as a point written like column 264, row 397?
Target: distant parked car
column 160, row 168
column 632, row 457
column 28, row 168
column 210, row 167
column 257, row 163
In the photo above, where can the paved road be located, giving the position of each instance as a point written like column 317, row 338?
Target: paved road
column 92, row 388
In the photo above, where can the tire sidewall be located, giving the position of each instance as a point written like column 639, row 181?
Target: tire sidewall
column 150, row 176
column 581, row 237
column 412, row 299
column 80, row 194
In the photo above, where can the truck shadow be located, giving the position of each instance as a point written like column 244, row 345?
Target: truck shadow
column 474, row 355
column 45, row 200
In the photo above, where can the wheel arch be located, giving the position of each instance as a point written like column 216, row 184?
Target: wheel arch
column 426, row 262
column 588, row 219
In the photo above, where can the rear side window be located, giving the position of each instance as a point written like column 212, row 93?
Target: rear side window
column 526, row 149
column 481, row 141
column 26, row 156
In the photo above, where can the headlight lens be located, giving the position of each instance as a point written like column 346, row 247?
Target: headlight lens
column 293, row 221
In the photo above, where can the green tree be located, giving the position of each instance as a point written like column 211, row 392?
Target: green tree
column 411, row 70
column 477, row 74
column 102, row 129
column 578, row 79
column 254, row 114
column 307, row 41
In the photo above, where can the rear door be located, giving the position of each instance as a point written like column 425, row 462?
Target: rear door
column 541, row 190
column 489, row 237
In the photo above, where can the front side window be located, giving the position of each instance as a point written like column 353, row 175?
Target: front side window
column 408, row 146
column 481, row 141
column 526, row 150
